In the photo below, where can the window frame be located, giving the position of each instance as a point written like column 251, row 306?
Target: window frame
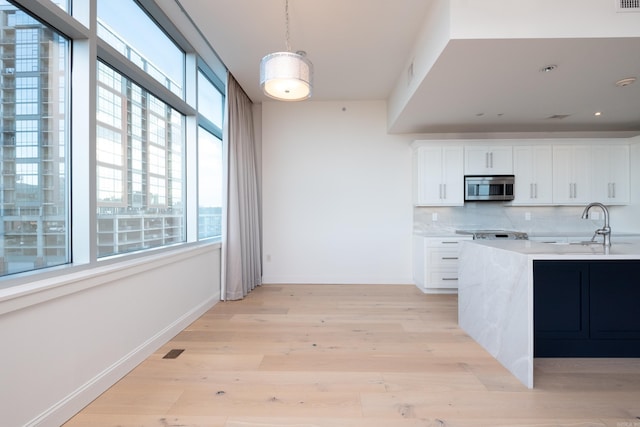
column 35, row 154
column 208, row 126
column 86, row 50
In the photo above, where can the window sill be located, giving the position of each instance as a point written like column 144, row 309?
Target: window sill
column 71, row 279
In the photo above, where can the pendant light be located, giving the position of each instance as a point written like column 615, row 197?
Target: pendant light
column 286, row 76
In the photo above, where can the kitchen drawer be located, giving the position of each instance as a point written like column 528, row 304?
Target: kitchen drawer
column 444, row 279
column 442, row 258
column 436, row 263
column 445, row 243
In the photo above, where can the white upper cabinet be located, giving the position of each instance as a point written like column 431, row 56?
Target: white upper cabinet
column 610, row 166
column 438, row 175
column 488, row 160
column 532, row 167
column 547, row 172
column 572, row 174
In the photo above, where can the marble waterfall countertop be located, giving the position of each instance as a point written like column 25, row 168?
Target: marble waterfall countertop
column 624, row 249
column 495, row 292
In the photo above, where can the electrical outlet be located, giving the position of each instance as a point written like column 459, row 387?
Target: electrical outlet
column 434, row 216
column 527, row 216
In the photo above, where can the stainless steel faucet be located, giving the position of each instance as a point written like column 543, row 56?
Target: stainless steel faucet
column 605, row 231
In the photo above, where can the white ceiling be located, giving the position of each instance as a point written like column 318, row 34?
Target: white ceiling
column 361, row 48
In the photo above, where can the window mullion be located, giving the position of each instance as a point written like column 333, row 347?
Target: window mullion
column 83, row 152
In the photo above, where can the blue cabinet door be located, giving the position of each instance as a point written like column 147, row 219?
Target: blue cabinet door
column 586, row 308
column 614, row 288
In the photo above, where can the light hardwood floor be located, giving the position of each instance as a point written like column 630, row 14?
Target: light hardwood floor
column 354, row 355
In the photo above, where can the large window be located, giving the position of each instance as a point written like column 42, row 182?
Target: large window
column 139, row 164
column 209, row 185
column 210, row 99
column 34, row 141
column 129, row 30
column 210, row 155
column 122, row 190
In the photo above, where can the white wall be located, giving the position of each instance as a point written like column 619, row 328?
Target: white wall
column 336, row 194
column 66, row 340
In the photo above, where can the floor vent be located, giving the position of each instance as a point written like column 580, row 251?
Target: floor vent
column 558, row 116
column 173, row 354
column 628, row 5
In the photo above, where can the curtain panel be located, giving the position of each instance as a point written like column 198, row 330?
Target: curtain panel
column 242, row 243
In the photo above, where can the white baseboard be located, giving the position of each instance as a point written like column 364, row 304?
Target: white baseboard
column 66, row 408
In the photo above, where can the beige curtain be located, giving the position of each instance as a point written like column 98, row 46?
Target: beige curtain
column 242, row 259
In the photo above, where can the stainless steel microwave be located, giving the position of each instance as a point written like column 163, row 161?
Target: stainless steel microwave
column 485, row 187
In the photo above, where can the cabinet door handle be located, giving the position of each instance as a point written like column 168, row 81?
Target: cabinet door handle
column 491, row 160
column 613, row 186
column 536, row 188
column 444, row 186
column 531, row 190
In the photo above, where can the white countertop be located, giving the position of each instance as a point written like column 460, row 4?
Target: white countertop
column 629, row 249
column 495, row 292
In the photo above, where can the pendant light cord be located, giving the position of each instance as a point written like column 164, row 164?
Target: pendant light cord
column 286, row 17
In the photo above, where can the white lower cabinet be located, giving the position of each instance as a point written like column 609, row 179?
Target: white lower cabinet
column 435, row 263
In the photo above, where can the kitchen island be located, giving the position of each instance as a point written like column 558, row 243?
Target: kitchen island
column 496, row 292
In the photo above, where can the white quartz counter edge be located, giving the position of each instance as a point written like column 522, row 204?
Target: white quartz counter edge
column 495, row 294
column 629, row 249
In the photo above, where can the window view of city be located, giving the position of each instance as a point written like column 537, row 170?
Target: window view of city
column 210, row 109
column 33, row 161
column 140, row 146
column 210, row 185
column 140, row 169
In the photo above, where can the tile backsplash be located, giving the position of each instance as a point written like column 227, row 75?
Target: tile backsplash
column 490, row 215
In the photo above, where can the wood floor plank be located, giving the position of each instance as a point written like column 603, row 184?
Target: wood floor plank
column 351, row 356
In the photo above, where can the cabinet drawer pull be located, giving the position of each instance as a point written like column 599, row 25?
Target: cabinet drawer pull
column 449, row 278
column 449, row 243
column 449, row 257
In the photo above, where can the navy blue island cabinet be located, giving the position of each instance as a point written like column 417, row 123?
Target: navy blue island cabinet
column 586, row 308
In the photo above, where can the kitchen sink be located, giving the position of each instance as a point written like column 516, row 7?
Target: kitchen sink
column 586, row 243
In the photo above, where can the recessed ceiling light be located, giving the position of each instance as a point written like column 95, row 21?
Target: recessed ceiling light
column 548, row 68
column 626, row 82
column 597, row 113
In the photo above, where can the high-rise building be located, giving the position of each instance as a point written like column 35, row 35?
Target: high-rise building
column 34, row 142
